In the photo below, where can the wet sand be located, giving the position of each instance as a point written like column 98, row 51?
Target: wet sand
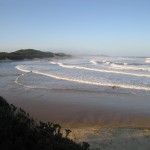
column 81, row 109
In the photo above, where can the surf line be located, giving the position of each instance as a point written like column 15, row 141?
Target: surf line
column 17, row 81
column 147, row 60
column 87, row 82
column 62, row 89
column 128, row 67
column 99, row 70
column 56, row 89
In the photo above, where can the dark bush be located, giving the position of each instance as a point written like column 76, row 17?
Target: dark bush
column 20, row 132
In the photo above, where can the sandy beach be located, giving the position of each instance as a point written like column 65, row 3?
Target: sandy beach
column 114, row 138
column 80, row 64
column 105, row 120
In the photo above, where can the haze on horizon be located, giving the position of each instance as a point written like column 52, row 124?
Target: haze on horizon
column 110, row 27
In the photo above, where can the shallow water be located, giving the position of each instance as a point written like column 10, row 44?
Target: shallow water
column 91, row 73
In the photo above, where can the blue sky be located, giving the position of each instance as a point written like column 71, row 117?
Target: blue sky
column 112, row 27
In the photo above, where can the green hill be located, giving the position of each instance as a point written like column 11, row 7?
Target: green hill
column 28, row 54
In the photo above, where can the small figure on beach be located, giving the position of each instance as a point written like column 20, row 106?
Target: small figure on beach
column 113, row 87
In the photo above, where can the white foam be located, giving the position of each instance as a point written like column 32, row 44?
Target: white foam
column 147, row 60
column 125, row 86
column 17, row 81
column 106, row 62
column 54, row 63
column 93, row 62
column 100, row 70
column 128, row 67
column 22, row 68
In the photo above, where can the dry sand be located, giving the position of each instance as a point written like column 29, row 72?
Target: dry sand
column 114, row 138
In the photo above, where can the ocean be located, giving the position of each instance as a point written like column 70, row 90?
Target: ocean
column 82, row 73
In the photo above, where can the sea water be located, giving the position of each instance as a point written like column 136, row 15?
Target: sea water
column 83, row 73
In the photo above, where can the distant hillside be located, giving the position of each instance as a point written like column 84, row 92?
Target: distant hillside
column 28, row 54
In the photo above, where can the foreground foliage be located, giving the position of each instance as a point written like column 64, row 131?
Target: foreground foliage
column 20, row 132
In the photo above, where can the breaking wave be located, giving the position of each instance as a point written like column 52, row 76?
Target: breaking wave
column 93, row 62
column 99, row 70
column 106, row 62
column 147, row 60
column 125, row 86
column 100, row 62
column 22, row 68
column 126, row 67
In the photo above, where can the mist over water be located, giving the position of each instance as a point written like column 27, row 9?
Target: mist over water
column 91, row 73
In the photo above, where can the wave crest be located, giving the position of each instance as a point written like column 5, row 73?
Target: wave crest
column 125, row 86
column 147, row 60
column 93, row 62
column 126, row 67
column 99, row 70
column 22, row 68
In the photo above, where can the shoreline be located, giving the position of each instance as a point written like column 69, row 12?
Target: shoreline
column 107, row 120
column 82, row 109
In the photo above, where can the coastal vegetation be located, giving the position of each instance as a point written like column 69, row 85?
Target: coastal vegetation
column 18, row 131
column 29, row 54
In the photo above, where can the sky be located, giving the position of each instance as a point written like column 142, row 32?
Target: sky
column 111, row 27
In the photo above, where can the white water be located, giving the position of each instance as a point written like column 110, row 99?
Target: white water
column 87, row 73
column 147, row 60
column 22, row 68
column 100, row 70
column 85, row 82
column 128, row 67
column 92, row 61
